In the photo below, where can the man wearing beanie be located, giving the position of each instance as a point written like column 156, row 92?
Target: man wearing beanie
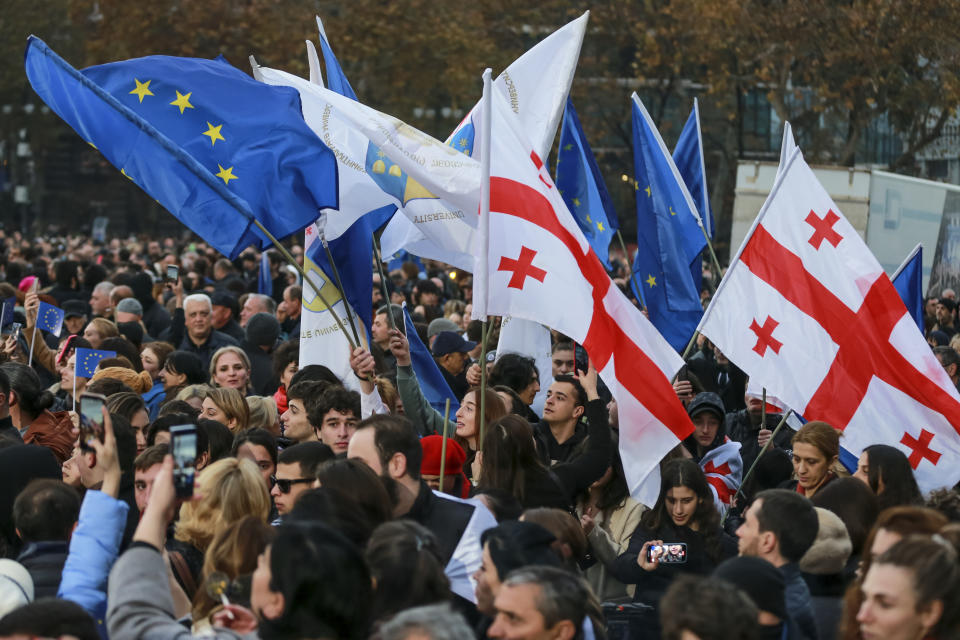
column 764, row 584
column 455, row 482
column 261, row 340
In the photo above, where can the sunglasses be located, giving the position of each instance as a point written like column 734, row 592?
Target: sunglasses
column 286, row 485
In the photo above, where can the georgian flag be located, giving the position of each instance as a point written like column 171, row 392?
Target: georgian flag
column 724, row 470
column 806, row 310
column 540, row 267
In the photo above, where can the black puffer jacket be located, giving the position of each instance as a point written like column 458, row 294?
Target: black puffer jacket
column 44, row 561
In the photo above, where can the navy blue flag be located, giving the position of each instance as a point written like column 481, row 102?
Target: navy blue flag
column 579, row 181
column 908, row 281
column 432, row 383
column 264, row 277
column 402, row 256
column 210, row 144
column 688, row 156
column 88, row 359
column 666, row 228
column 50, row 318
column 8, row 306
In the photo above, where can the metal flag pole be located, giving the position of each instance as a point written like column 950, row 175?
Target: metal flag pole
column 443, row 445
column 336, row 274
column 486, row 119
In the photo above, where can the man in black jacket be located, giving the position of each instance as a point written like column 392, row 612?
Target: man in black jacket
column 744, row 427
column 561, row 432
column 44, row 515
column 389, row 445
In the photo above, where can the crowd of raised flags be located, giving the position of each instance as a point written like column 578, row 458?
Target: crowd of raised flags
column 803, row 307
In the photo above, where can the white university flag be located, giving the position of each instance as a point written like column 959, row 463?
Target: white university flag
column 806, row 310
column 536, row 86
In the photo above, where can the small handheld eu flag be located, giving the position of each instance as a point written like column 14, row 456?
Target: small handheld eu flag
column 88, row 359
column 50, row 318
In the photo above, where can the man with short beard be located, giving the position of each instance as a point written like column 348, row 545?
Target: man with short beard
column 389, row 445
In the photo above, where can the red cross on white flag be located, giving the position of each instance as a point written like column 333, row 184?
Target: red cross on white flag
column 540, row 267
column 837, row 343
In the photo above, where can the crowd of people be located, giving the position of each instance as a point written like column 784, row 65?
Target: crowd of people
column 338, row 509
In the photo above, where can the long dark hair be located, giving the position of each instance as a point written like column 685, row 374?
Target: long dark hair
column 684, row 472
column 509, row 456
column 615, row 491
column 890, row 466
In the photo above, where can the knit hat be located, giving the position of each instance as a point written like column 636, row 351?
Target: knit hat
column 16, row 586
column 130, row 305
column 516, row 544
column 262, row 330
column 761, row 581
column 430, row 463
column 831, row 549
column 441, row 324
column 139, row 382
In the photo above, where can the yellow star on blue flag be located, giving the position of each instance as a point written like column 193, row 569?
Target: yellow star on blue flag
column 50, row 318
column 88, row 359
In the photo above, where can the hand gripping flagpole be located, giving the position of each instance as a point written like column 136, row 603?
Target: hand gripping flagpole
column 485, row 119
column 753, row 466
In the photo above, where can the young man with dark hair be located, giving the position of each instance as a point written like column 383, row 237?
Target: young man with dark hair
column 563, row 359
column 561, row 432
column 707, row 609
column 44, row 515
column 334, row 417
column 296, row 420
column 296, row 472
column 389, row 445
column 146, row 466
column 780, row 526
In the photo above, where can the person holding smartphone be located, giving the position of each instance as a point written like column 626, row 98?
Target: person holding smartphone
column 684, row 514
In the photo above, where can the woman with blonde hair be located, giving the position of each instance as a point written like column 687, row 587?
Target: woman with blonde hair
column 193, row 395
column 233, row 554
column 230, row 368
column 226, row 491
column 263, row 414
column 98, row 330
column 228, row 407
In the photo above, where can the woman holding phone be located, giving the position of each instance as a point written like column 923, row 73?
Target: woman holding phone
column 684, row 514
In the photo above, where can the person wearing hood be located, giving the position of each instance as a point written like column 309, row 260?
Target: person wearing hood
column 259, row 344
column 707, row 413
column 155, row 316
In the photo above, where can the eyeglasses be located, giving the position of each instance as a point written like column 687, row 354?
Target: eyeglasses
column 285, row 485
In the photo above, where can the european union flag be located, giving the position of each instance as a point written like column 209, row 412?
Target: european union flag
column 666, row 230
column 908, row 281
column 50, row 318
column 264, row 278
column 688, row 156
column 88, row 359
column 432, row 383
column 579, row 181
column 403, row 256
column 8, row 306
column 213, row 146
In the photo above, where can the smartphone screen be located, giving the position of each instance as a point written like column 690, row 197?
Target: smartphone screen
column 173, row 272
column 91, row 418
column 15, row 328
column 668, row 553
column 183, row 447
